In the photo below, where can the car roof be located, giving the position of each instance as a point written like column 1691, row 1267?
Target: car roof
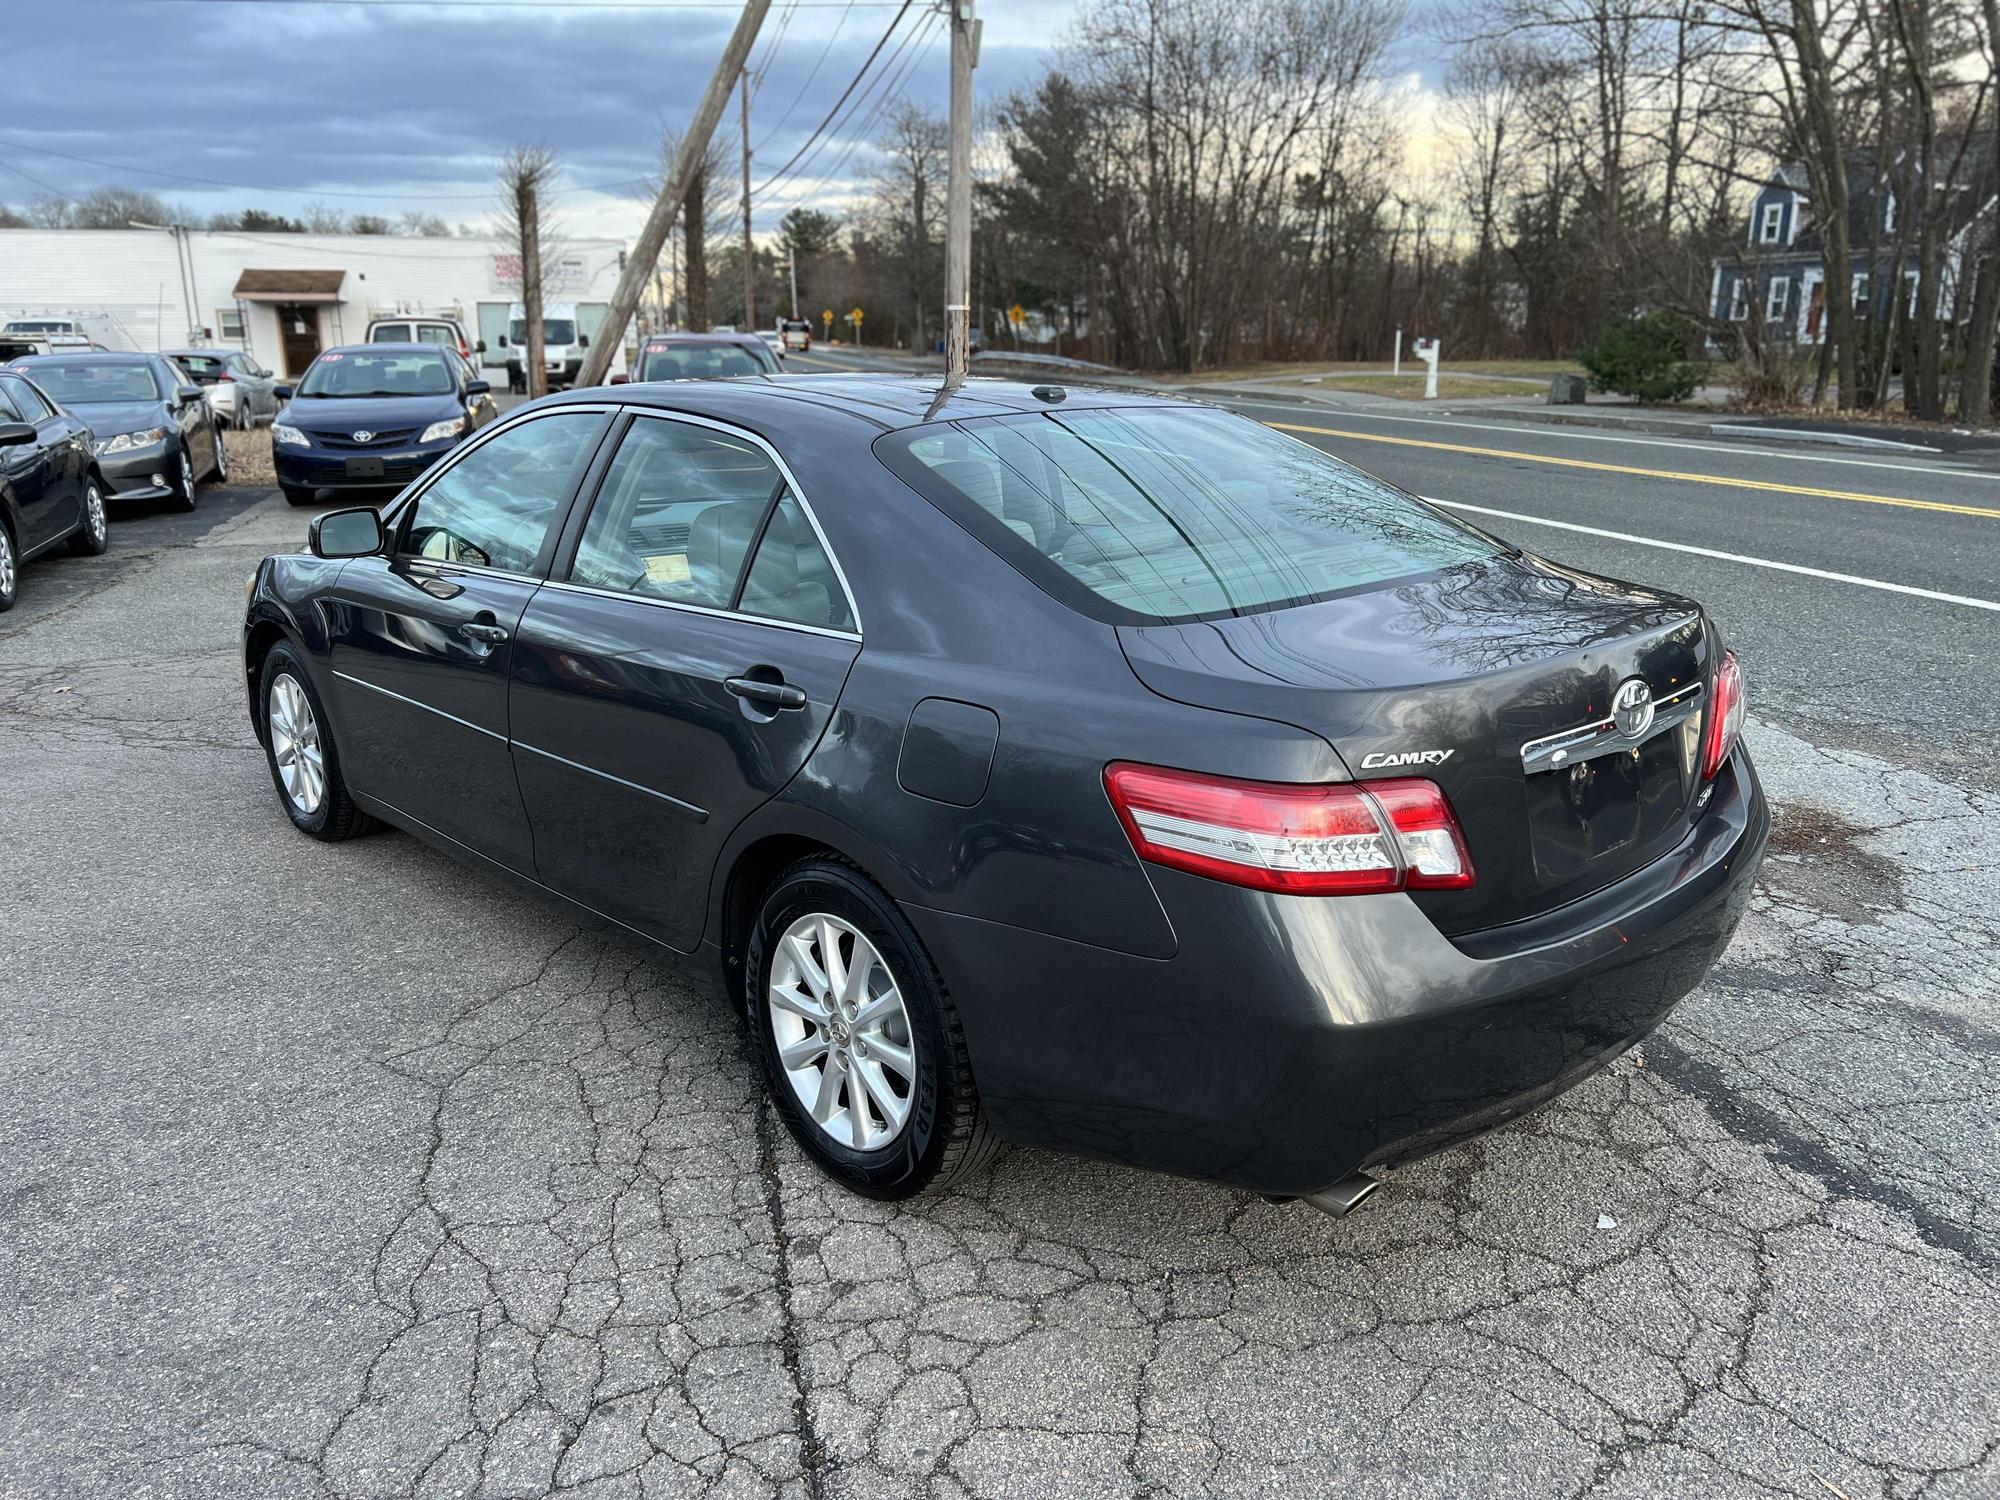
column 204, row 353
column 385, row 345
column 883, row 402
column 95, row 356
column 655, row 340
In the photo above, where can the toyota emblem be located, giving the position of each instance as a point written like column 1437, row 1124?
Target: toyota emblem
column 1632, row 708
column 368, row 437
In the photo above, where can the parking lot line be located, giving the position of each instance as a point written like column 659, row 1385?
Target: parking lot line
column 1725, row 480
column 1735, row 557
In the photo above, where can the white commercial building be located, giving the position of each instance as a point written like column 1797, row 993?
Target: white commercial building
column 281, row 297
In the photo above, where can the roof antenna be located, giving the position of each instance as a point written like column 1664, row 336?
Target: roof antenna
column 1050, row 393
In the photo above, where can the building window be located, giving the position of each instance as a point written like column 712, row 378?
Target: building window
column 1862, row 287
column 1888, row 213
column 1774, row 298
column 1910, row 281
column 1773, row 223
column 229, row 324
column 1739, row 300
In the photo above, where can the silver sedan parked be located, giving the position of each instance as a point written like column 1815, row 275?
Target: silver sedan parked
column 242, row 392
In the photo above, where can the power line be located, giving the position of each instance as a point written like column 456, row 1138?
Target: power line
column 549, row 5
column 825, row 138
column 867, row 63
column 823, row 54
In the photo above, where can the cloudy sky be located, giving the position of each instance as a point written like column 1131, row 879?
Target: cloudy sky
column 379, row 106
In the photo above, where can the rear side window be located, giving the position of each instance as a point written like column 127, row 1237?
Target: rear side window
column 695, row 516
column 438, row 333
column 391, row 333
column 1166, row 514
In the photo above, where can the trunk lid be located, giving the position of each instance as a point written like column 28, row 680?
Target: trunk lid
column 1451, row 677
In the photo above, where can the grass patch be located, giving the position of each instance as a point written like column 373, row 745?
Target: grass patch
column 1343, row 369
column 1450, row 387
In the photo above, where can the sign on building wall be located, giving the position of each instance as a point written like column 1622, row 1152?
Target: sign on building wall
column 564, row 274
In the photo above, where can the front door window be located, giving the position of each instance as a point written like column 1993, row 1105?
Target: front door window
column 493, row 508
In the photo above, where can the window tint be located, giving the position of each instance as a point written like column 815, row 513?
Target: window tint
column 1164, row 513
column 10, row 410
column 698, row 362
column 493, row 507
column 676, row 514
column 203, row 366
column 437, row 333
column 390, row 333
column 26, row 400
column 792, row 577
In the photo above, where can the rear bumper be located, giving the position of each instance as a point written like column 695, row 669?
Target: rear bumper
column 1291, row 1041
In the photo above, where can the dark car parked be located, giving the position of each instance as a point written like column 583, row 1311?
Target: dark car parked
column 153, row 431
column 50, row 490
column 1100, row 771
column 702, row 356
column 372, row 417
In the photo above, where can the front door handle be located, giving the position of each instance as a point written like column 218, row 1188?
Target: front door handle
column 777, row 694
column 491, row 634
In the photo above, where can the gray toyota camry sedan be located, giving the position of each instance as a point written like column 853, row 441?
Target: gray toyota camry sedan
column 1066, row 766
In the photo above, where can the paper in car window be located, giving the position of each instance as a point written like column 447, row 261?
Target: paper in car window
column 667, row 567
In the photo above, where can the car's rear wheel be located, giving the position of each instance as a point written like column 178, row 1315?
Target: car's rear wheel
column 863, row 1051
column 305, row 766
column 221, row 456
column 184, row 486
column 93, row 536
column 9, row 570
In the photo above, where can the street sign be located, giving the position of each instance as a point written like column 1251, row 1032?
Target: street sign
column 1017, row 315
column 855, row 317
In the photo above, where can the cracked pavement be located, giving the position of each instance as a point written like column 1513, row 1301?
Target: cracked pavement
column 347, row 1171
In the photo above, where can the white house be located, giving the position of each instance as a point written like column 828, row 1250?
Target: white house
column 281, row 297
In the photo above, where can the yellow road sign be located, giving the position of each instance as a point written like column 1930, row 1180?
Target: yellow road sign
column 855, row 316
column 1017, row 314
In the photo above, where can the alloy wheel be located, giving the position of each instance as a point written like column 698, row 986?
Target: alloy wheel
column 6, row 564
column 187, row 478
column 93, row 515
column 221, row 459
column 295, row 745
column 842, row 1033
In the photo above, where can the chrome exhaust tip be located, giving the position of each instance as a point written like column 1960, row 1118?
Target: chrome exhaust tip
column 1344, row 1196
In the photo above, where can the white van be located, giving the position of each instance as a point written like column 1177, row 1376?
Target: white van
column 563, row 345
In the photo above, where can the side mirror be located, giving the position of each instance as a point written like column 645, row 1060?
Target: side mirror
column 13, row 434
column 621, row 379
column 282, row 392
column 583, row 341
column 479, row 345
column 187, row 392
column 478, row 387
column 347, row 533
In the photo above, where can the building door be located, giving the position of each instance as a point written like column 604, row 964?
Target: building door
column 298, row 323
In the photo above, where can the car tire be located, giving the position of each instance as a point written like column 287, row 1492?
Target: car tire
column 308, row 779
column 184, row 484
column 942, row 1133
column 300, row 494
column 10, row 569
column 92, row 536
column 221, row 475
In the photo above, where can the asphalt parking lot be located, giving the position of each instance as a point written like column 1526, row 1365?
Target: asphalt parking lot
column 347, row 1171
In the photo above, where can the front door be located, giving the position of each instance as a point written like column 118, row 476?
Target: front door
column 678, row 676
column 423, row 639
column 47, row 475
column 299, row 324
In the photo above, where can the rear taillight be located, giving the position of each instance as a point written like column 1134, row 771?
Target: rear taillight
column 1725, row 716
column 226, row 377
column 1323, row 840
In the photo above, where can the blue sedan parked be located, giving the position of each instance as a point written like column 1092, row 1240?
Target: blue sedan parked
column 369, row 418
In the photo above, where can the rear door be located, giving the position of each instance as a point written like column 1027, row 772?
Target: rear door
column 423, row 639
column 676, row 673
column 47, row 475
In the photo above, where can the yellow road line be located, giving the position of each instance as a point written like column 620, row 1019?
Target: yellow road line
column 1585, row 463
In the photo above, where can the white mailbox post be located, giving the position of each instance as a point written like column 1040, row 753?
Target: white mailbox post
column 1427, row 351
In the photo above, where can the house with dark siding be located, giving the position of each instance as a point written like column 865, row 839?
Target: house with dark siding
column 1775, row 280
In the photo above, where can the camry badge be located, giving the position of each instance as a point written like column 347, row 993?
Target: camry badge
column 1632, row 708
column 364, row 437
column 1380, row 759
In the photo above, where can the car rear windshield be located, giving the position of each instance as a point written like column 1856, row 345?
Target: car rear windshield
column 80, row 382
column 1168, row 514
column 407, row 372
column 698, row 362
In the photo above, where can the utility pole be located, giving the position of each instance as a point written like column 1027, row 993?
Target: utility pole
column 534, row 358
column 749, row 253
column 792, row 262
column 958, row 195
column 653, row 238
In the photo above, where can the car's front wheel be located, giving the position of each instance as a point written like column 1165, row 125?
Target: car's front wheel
column 299, row 745
column 300, row 494
column 221, row 456
column 863, row 1051
column 184, row 495
column 93, row 536
column 9, row 570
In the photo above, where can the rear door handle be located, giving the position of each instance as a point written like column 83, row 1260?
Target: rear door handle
column 777, row 694
column 493, row 634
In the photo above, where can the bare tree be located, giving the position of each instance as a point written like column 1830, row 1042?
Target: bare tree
column 527, row 174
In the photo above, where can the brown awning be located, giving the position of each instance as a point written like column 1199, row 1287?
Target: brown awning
column 289, row 286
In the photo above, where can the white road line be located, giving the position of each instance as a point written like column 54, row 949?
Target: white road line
column 1556, row 430
column 1735, row 557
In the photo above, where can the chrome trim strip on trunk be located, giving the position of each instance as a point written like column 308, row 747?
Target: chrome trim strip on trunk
column 1601, row 737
